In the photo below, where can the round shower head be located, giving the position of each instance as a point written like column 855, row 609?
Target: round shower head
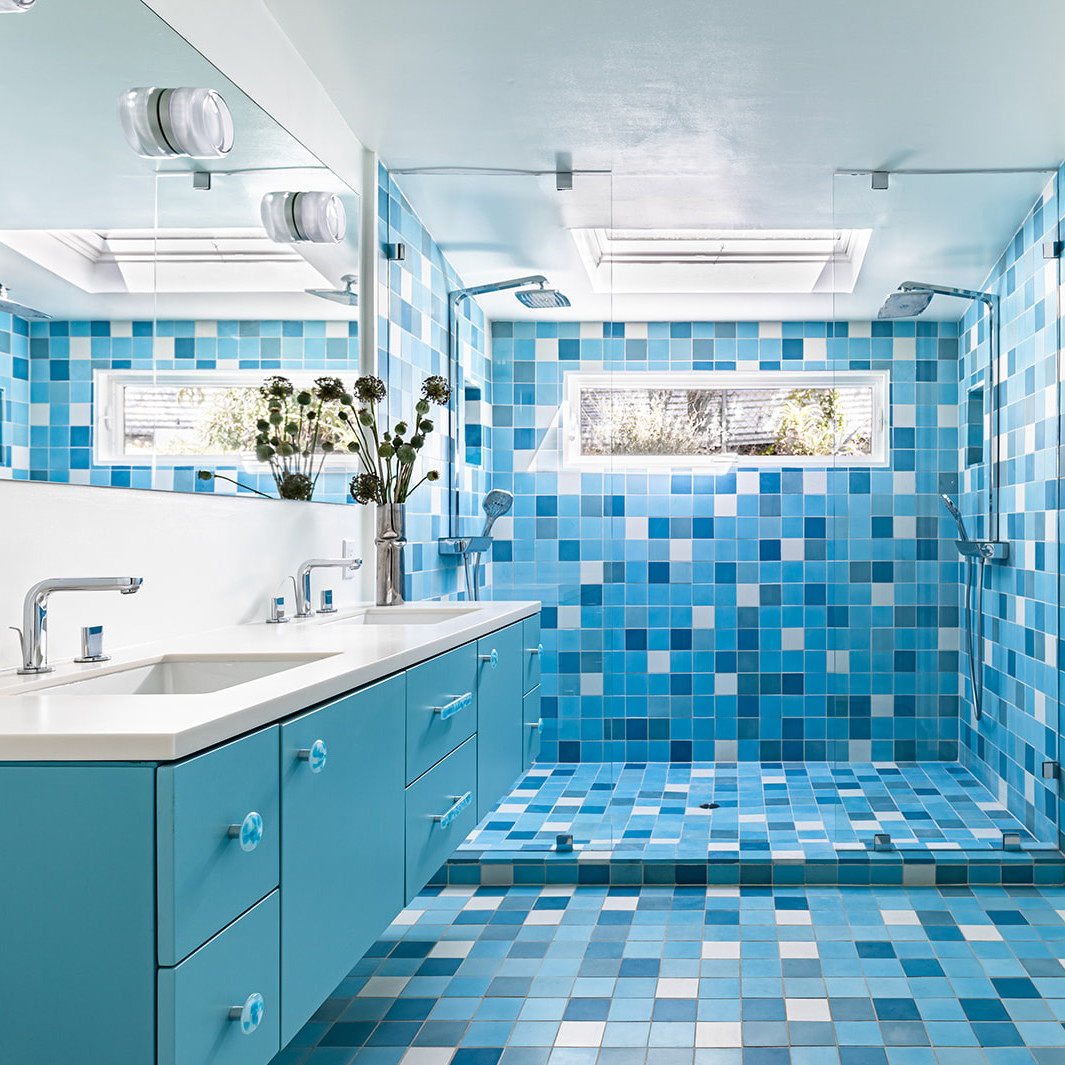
column 542, row 298
column 905, row 304
column 347, row 296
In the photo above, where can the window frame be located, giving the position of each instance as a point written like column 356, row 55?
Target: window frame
column 108, row 425
column 879, row 381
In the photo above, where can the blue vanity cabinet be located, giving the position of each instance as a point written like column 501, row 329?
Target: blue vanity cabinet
column 532, row 727
column 499, row 714
column 77, row 914
column 342, row 855
column 221, row 1005
column 218, row 839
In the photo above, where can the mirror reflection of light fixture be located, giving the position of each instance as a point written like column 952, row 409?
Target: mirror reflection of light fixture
column 8, row 7
column 167, row 123
column 304, row 217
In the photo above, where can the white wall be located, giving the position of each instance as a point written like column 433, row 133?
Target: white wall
column 207, row 560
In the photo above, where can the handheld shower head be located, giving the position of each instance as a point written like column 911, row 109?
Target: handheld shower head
column 955, row 513
column 495, row 505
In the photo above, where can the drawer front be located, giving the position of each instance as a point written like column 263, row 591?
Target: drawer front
column 531, row 728
column 436, row 824
column 532, row 652
column 342, row 862
column 212, row 862
column 441, row 707
column 196, row 997
column 499, row 714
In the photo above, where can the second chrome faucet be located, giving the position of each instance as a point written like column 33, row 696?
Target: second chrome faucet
column 303, row 580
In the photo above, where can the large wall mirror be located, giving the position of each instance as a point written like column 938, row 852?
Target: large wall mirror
column 168, row 301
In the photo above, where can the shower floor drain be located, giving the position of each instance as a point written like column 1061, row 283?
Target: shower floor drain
column 709, row 806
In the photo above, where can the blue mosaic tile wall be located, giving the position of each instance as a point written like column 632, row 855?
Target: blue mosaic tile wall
column 1020, row 725
column 758, row 614
column 63, row 356
column 14, row 397
column 412, row 339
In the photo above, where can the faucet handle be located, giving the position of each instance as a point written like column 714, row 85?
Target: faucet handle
column 277, row 611
column 92, row 645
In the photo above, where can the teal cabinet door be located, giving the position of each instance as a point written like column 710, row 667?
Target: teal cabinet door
column 499, row 715
column 77, row 915
column 220, row 1005
column 219, row 839
column 533, row 652
column 441, row 813
column 342, row 854
column 441, row 707
column 532, row 728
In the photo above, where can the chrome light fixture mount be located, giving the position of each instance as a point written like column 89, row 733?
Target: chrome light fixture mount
column 171, row 123
column 304, row 217
column 15, row 7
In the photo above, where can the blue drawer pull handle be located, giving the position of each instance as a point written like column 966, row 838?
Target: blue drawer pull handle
column 492, row 659
column 249, row 832
column 463, row 702
column 315, row 756
column 250, row 1014
column 460, row 804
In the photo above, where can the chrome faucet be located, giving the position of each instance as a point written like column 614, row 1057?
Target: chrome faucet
column 34, row 632
column 303, row 580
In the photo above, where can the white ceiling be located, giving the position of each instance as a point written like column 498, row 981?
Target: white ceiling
column 722, row 114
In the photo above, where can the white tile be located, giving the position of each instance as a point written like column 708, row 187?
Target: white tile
column 794, row 917
column 718, row 1034
column 721, row 950
column 580, row 1034
column 384, row 987
column 807, row 1009
column 428, row 1056
column 672, row 987
column 981, row 933
column 620, row 902
column 795, row 949
column 545, row 917
column 451, row 948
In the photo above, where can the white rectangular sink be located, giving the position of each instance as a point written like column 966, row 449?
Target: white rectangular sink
column 409, row 615
column 180, row 675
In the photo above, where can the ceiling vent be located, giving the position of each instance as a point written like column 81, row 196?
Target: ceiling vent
column 748, row 261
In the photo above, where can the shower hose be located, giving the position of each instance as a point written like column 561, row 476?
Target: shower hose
column 973, row 626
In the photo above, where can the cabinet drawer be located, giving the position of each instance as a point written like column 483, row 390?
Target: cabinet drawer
column 195, row 997
column 499, row 710
column 207, row 876
column 531, row 728
column 441, row 707
column 532, row 652
column 436, row 823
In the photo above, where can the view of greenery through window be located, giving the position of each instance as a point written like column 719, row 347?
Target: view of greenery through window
column 195, row 420
column 737, row 421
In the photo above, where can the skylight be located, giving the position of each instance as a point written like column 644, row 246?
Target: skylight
column 798, row 261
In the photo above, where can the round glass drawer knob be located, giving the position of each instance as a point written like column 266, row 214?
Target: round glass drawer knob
column 249, row 1015
column 315, row 756
column 249, row 832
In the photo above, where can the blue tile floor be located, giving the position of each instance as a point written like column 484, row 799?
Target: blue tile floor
column 769, row 811
column 721, row 976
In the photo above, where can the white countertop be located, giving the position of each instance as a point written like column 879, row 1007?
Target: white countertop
column 41, row 720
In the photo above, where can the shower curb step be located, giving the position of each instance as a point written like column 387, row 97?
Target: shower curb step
column 1010, row 868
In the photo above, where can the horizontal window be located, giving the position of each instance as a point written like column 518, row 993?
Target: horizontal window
column 724, row 418
column 185, row 417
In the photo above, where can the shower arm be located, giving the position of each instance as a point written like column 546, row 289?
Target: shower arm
column 990, row 301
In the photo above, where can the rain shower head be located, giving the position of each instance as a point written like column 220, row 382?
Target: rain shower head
column 905, row 304
column 19, row 310
column 347, row 296
column 541, row 298
column 914, row 296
